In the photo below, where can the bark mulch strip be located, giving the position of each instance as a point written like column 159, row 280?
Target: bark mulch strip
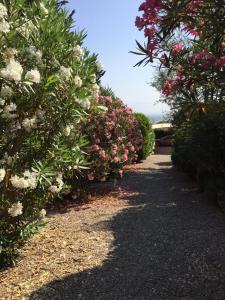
column 70, row 243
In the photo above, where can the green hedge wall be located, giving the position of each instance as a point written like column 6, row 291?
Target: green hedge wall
column 199, row 149
column 148, row 136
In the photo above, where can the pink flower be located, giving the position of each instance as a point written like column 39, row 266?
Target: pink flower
column 125, row 157
column 121, row 173
column 116, row 159
column 178, row 48
column 102, row 154
column 91, row 177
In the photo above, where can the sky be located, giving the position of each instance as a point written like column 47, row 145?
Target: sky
column 112, row 34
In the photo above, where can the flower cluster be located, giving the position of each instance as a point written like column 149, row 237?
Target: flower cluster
column 115, row 138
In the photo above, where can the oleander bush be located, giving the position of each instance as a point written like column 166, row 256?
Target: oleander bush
column 148, row 136
column 47, row 88
column 115, row 139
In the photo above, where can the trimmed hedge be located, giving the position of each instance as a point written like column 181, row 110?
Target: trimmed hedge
column 199, row 149
column 148, row 136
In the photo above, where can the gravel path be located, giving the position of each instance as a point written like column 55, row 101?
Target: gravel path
column 168, row 242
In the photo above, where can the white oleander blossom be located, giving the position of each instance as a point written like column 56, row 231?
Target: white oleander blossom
column 84, row 103
column 29, row 123
column 8, row 111
column 6, row 91
column 95, row 90
column 42, row 213
column 58, row 186
column 29, row 180
column 8, row 160
column 78, row 81
column 3, row 11
column 78, row 52
column 12, row 71
column 65, row 73
column 44, row 10
column 33, row 76
column 33, row 52
column 2, row 174
column 4, row 26
column 2, row 101
column 67, row 130
column 93, row 78
column 26, row 28
column 16, row 209
column 99, row 66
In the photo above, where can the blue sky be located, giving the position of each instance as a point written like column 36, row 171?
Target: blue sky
column 112, row 34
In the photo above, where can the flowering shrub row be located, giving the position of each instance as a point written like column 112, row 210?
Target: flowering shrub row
column 53, row 130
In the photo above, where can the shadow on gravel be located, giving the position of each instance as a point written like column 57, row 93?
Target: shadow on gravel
column 169, row 244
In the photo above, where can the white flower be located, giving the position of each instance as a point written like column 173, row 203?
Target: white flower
column 44, row 10
column 37, row 54
column 77, row 81
column 6, row 91
column 67, row 130
column 13, row 71
column 93, row 78
column 8, row 111
column 42, row 213
column 29, row 124
column 102, row 108
column 2, row 174
column 16, row 209
column 11, row 107
column 26, row 28
column 95, row 90
column 2, row 101
column 59, row 185
column 3, row 11
column 19, row 182
column 29, row 180
column 65, row 73
column 4, row 26
column 8, row 159
column 99, row 66
column 84, row 103
column 78, row 51
column 33, row 76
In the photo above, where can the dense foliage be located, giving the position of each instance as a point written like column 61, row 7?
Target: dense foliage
column 200, row 149
column 47, row 83
column 186, row 38
column 148, row 136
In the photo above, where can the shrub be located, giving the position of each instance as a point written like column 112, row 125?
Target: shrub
column 47, row 86
column 200, row 148
column 115, row 138
column 148, row 136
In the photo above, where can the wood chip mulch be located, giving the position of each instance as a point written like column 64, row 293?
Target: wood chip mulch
column 76, row 239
